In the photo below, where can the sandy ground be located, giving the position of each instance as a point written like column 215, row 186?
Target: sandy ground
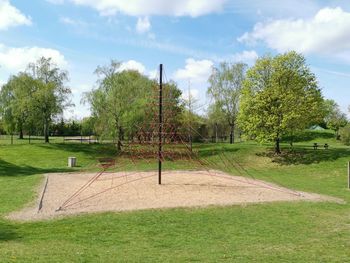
column 126, row 191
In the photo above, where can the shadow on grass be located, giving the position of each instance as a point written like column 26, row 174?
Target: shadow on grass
column 8, row 232
column 306, row 136
column 305, row 156
column 94, row 150
column 210, row 152
column 10, row 169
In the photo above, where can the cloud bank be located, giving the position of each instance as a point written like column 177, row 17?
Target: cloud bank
column 14, row 59
column 140, row 8
column 326, row 33
column 10, row 16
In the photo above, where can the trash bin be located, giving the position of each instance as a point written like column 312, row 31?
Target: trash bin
column 72, row 161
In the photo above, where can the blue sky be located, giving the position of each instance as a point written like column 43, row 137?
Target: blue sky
column 187, row 36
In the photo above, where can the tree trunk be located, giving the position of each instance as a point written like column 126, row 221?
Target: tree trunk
column 232, row 134
column 120, row 136
column 216, row 132
column 46, row 131
column 337, row 137
column 277, row 146
column 190, row 140
column 21, row 133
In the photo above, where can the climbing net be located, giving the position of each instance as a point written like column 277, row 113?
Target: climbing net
column 160, row 138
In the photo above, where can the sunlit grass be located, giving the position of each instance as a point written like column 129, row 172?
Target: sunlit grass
column 279, row 232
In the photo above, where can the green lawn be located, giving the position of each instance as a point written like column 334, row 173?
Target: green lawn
column 278, row 232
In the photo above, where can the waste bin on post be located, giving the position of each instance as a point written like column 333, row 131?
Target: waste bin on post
column 72, row 161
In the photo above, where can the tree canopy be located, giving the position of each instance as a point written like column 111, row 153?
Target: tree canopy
column 280, row 95
column 119, row 101
column 226, row 82
column 334, row 118
column 34, row 98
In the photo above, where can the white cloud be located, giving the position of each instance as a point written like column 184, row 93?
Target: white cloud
column 10, row 16
column 133, row 65
column 81, row 88
column 153, row 74
column 197, row 71
column 139, row 67
column 143, row 25
column 56, row 2
column 14, row 59
column 191, row 8
column 72, row 22
column 274, row 8
column 245, row 56
column 192, row 94
column 325, row 33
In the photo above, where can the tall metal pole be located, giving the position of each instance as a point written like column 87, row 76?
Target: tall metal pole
column 160, row 123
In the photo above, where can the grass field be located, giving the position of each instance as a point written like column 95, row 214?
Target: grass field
column 278, row 232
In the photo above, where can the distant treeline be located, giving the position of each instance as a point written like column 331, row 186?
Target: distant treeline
column 268, row 102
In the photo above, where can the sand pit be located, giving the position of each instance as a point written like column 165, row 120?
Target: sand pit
column 125, row 191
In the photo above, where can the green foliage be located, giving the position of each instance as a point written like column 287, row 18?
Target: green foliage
column 344, row 134
column 122, row 102
column 172, row 104
column 15, row 104
column 2, row 128
column 334, row 118
column 217, row 122
column 87, row 126
column 31, row 100
column 119, row 102
column 51, row 95
column 191, row 122
column 226, row 83
column 280, row 96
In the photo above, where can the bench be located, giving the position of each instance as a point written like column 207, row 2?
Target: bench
column 326, row 146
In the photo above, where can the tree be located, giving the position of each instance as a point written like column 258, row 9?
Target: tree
column 344, row 133
column 119, row 101
column 334, row 118
column 7, row 110
column 225, row 89
column 190, row 120
column 217, row 121
column 15, row 97
column 280, row 95
column 87, row 126
column 50, row 96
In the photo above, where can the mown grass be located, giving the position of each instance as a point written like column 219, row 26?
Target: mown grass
column 278, row 232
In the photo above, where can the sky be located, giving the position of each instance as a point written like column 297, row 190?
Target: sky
column 188, row 37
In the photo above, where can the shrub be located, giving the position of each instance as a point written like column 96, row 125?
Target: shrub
column 345, row 134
